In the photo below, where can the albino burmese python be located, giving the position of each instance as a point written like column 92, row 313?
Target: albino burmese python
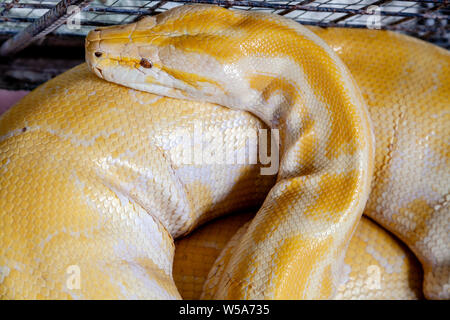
column 91, row 174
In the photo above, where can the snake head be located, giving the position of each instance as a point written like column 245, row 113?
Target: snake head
column 204, row 53
column 189, row 52
column 124, row 54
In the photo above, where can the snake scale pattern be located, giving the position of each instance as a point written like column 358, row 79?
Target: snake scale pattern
column 91, row 174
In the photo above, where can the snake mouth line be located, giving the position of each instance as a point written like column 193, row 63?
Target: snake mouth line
column 100, row 71
column 165, row 90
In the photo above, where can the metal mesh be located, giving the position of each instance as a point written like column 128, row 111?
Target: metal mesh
column 426, row 19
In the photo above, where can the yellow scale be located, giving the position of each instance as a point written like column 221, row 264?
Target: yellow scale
column 94, row 193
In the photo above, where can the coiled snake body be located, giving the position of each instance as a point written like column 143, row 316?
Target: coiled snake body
column 91, row 175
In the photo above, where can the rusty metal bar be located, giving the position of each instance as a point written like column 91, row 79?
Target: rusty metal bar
column 51, row 20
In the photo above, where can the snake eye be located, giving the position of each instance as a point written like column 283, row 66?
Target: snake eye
column 145, row 63
column 98, row 54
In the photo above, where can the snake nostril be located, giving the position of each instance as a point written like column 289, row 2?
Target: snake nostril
column 98, row 54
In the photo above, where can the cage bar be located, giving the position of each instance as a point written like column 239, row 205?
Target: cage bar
column 48, row 22
column 28, row 20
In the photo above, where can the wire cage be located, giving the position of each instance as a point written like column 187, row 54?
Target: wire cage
column 23, row 22
column 426, row 19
